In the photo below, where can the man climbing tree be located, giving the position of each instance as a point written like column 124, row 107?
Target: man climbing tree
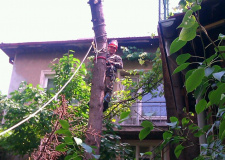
column 113, row 62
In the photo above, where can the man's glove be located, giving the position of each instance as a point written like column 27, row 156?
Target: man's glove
column 109, row 62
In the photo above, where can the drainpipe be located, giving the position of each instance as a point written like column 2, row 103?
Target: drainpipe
column 201, row 123
column 164, row 6
column 167, row 10
column 159, row 10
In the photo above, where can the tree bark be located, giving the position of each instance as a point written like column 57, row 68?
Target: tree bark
column 94, row 130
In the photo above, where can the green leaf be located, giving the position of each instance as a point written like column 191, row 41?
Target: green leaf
column 195, row 79
column 187, row 75
column 222, row 130
column 196, row 8
column 147, row 124
column 201, row 106
column 68, row 140
column 77, row 140
column 199, row 133
column 64, row 124
column 176, row 45
column 187, row 34
column 204, row 146
column 173, row 119
column 167, row 135
column 188, row 20
column 208, row 60
column 124, row 116
column 215, row 95
column 72, row 51
column 69, row 157
column 182, row 58
column 144, row 132
column 218, row 75
column 61, row 147
column 221, row 48
column 141, row 61
column 221, row 37
column 178, row 150
column 65, row 132
column 193, row 127
column 217, row 68
column 148, row 153
column 200, row 90
column 185, row 121
column 86, row 147
column 208, row 104
column 73, row 157
column 181, row 67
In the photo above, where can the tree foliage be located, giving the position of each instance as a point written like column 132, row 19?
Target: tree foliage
column 205, row 81
column 22, row 103
column 27, row 99
column 133, row 53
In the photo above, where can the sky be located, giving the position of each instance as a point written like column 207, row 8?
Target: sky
column 57, row 20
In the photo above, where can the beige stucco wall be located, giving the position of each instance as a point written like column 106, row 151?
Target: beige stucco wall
column 28, row 66
column 29, row 63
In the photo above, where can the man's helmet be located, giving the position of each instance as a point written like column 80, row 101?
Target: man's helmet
column 113, row 43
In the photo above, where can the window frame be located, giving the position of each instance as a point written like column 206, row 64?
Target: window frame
column 45, row 76
column 139, row 119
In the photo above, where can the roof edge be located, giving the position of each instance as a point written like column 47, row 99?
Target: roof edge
column 81, row 40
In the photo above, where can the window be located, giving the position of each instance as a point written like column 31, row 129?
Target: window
column 46, row 79
column 154, row 106
column 47, row 82
column 142, row 109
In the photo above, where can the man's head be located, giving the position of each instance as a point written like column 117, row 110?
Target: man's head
column 112, row 46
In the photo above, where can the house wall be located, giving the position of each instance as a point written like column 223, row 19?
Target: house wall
column 28, row 66
column 29, row 63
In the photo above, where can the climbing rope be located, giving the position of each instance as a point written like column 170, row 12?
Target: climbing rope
column 96, row 49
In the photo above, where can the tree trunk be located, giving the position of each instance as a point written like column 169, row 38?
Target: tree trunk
column 93, row 135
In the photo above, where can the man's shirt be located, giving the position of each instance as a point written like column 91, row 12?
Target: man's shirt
column 115, row 62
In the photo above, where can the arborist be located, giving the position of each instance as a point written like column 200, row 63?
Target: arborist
column 113, row 62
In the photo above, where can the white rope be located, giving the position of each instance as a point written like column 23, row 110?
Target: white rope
column 54, row 97
column 96, row 49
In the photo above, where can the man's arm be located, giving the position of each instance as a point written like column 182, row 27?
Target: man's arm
column 118, row 63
